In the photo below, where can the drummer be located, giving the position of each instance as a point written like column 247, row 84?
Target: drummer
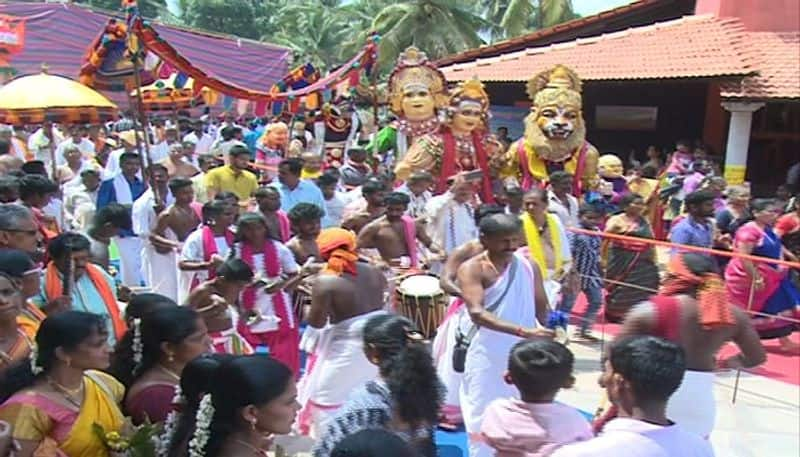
column 395, row 235
column 344, row 296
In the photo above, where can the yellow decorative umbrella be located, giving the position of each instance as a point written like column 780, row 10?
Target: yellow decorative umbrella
column 36, row 98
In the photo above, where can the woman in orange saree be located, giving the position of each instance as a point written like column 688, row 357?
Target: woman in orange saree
column 54, row 399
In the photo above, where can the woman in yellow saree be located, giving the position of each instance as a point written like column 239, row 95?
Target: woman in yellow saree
column 54, row 400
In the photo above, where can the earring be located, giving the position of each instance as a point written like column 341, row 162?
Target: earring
column 170, row 357
column 253, row 424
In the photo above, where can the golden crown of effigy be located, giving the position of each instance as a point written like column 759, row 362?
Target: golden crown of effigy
column 415, row 71
column 470, row 92
column 556, row 86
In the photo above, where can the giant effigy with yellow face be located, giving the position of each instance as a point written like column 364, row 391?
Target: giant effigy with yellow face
column 555, row 134
column 458, row 145
column 417, row 89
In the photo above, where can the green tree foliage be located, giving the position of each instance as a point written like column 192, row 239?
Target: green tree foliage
column 328, row 32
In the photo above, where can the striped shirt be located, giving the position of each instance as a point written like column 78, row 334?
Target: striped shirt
column 586, row 258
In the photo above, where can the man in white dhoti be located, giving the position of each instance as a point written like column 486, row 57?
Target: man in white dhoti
column 505, row 298
column 640, row 374
column 124, row 188
column 344, row 296
column 455, row 321
column 159, row 269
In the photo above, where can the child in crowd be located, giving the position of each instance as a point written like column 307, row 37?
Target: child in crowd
column 682, row 159
column 586, row 259
column 312, row 166
column 535, row 425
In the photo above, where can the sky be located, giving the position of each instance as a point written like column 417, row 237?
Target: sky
column 588, row 7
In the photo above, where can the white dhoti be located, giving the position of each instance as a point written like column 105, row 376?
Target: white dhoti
column 487, row 356
column 442, row 351
column 336, row 366
column 130, row 261
column 693, row 406
column 160, row 271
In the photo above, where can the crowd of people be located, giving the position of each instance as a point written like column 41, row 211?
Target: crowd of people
column 234, row 292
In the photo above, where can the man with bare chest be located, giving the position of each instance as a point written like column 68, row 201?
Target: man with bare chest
column 176, row 163
column 373, row 192
column 268, row 200
column 506, row 301
column 306, row 223
column 215, row 300
column 395, row 234
column 173, row 225
column 344, row 296
column 692, row 310
column 454, row 324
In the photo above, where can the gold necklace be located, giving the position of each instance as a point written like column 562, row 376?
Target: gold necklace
column 170, row 373
column 256, row 450
column 68, row 394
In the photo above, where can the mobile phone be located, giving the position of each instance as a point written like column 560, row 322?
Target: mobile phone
column 474, row 175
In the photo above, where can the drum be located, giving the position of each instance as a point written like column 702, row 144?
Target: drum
column 420, row 299
column 301, row 301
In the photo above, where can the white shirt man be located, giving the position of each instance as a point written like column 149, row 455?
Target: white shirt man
column 450, row 223
column 86, row 147
column 566, row 212
column 416, row 207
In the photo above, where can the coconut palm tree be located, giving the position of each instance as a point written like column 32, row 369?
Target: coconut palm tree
column 314, row 31
column 512, row 18
column 439, row 27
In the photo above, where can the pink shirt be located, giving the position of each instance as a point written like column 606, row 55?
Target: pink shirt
column 681, row 161
column 518, row 429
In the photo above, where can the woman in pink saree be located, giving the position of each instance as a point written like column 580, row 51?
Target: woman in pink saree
column 763, row 287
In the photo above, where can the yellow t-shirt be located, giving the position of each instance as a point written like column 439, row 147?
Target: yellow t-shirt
column 226, row 179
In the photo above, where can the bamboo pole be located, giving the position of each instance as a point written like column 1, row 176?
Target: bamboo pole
column 142, row 122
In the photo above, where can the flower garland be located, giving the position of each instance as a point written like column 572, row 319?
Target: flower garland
column 162, row 444
column 205, row 413
column 36, row 369
column 137, row 346
column 272, row 269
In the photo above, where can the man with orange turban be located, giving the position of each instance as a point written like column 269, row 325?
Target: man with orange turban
column 343, row 297
column 692, row 310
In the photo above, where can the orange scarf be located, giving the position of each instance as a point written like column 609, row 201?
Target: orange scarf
column 713, row 311
column 338, row 247
column 53, row 289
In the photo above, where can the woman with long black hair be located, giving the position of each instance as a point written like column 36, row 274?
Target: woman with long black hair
column 54, row 399
column 195, row 382
column 252, row 398
column 150, row 358
column 407, row 397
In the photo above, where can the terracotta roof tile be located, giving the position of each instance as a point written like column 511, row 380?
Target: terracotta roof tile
column 778, row 64
column 689, row 47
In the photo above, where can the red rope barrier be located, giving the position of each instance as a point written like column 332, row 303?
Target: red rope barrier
column 685, row 247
